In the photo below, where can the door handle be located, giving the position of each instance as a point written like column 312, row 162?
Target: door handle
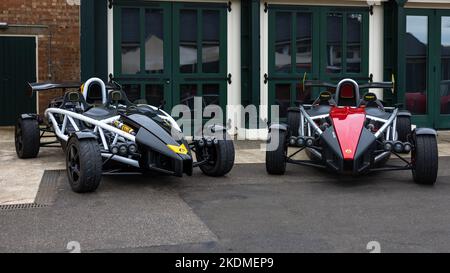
column 167, row 81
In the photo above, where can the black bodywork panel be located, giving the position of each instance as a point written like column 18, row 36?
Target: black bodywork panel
column 332, row 155
column 152, row 141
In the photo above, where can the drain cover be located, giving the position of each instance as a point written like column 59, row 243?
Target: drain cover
column 22, row 206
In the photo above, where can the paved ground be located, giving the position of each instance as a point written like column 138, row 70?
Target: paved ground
column 249, row 211
column 246, row 211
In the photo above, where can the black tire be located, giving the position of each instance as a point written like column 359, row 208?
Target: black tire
column 293, row 120
column 84, row 164
column 221, row 157
column 425, row 159
column 27, row 138
column 276, row 152
column 403, row 128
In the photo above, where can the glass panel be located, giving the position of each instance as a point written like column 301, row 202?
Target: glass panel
column 445, row 65
column 416, row 44
column 354, row 30
column 283, row 98
column 304, row 42
column 211, row 42
column 188, row 41
column 303, row 95
column 154, row 94
column 154, row 41
column 283, row 42
column 334, row 43
column 133, row 91
column 131, row 50
column 187, row 94
column 211, row 94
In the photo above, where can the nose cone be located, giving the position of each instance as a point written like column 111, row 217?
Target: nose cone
column 348, row 123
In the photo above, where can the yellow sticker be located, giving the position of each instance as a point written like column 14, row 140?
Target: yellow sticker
column 178, row 149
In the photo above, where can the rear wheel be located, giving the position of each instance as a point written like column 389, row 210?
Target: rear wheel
column 425, row 159
column 293, row 120
column 403, row 128
column 84, row 164
column 219, row 156
column 276, row 153
column 27, row 138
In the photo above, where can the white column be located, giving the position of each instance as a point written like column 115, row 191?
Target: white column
column 234, row 66
column 110, row 40
column 376, row 45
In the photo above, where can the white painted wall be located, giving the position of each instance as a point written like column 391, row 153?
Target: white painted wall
column 110, row 40
column 376, row 46
column 234, row 66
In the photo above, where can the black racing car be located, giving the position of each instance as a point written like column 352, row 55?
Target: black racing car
column 102, row 132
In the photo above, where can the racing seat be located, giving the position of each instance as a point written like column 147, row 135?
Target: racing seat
column 347, row 93
column 374, row 107
column 322, row 105
column 74, row 100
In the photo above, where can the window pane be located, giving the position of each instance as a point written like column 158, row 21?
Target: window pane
column 283, row 42
column 354, row 30
column 131, row 50
column 304, row 42
column 334, row 43
column 445, row 65
column 211, row 41
column 133, row 91
column 187, row 94
column 416, row 45
column 154, row 94
column 188, row 41
column 211, row 94
column 154, row 41
column 283, row 98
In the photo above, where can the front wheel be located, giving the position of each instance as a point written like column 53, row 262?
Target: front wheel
column 276, row 153
column 84, row 164
column 425, row 159
column 219, row 157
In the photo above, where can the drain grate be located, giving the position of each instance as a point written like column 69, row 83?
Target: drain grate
column 22, row 206
column 45, row 196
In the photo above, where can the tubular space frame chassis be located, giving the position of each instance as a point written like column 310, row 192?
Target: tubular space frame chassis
column 100, row 127
column 313, row 130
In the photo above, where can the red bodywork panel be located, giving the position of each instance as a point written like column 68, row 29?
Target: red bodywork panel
column 348, row 123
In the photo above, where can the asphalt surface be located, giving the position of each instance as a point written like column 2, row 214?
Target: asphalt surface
column 247, row 211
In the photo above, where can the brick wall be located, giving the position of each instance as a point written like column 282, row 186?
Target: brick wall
column 57, row 25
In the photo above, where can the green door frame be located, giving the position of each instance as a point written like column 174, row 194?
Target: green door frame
column 200, row 78
column 172, row 79
column 293, row 77
column 442, row 121
column 143, row 78
column 319, row 60
column 433, row 118
column 363, row 76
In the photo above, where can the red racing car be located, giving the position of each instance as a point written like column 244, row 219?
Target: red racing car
column 346, row 134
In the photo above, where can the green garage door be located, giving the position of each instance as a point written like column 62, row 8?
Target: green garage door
column 17, row 68
column 326, row 43
column 171, row 52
